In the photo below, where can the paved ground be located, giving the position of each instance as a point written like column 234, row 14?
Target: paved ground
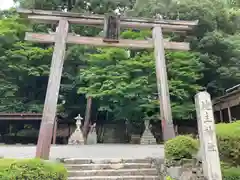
column 101, row 151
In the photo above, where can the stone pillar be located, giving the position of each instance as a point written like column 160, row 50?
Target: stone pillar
column 147, row 137
column 229, row 114
column 55, row 131
column 207, row 136
column 92, row 136
column 221, row 115
column 77, row 137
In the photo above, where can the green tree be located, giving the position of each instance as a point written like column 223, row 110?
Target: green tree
column 90, row 6
column 24, row 68
column 216, row 36
column 214, row 62
column 126, row 85
column 220, row 56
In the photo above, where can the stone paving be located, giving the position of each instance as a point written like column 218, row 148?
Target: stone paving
column 99, row 151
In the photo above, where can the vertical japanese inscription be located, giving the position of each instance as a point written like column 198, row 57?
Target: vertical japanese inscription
column 206, row 128
column 206, row 105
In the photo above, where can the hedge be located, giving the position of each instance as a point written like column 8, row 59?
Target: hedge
column 228, row 136
column 32, row 169
column 230, row 173
column 181, row 147
column 185, row 147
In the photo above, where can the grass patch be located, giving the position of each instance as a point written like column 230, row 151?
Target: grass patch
column 228, row 136
column 6, row 163
column 31, row 169
column 228, row 129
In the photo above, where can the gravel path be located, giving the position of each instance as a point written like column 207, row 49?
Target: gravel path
column 100, row 151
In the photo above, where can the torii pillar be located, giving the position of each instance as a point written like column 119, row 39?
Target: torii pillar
column 49, row 111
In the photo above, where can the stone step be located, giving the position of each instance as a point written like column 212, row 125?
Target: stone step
column 108, row 166
column 114, row 172
column 106, row 161
column 78, row 161
column 115, row 178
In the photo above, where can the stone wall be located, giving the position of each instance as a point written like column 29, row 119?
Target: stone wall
column 179, row 170
column 107, row 133
column 112, row 133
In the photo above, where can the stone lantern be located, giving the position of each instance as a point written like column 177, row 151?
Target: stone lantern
column 147, row 137
column 77, row 137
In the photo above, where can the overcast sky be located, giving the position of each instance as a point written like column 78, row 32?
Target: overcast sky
column 5, row 4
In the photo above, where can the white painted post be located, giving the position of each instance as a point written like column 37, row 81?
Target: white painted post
column 207, row 135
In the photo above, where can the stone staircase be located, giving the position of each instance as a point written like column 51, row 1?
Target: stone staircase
column 121, row 169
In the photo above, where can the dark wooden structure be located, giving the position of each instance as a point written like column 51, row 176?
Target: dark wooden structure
column 61, row 37
column 29, row 117
column 227, row 107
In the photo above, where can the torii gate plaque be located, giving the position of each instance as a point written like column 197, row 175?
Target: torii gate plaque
column 61, row 38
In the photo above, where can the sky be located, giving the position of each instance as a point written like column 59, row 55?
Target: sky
column 6, row 4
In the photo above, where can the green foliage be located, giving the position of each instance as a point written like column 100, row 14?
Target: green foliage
column 124, row 81
column 31, row 170
column 21, row 62
column 90, row 6
column 231, row 173
column 218, row 22
column 121, row 83
column 126, row 86
column 221, row 54
column 228, row 142
column 185, row 147
column 181, row 147
column 228, row 136
column 169, row 178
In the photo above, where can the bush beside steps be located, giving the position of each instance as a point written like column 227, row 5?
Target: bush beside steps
column 228, row 136
column 31, row 169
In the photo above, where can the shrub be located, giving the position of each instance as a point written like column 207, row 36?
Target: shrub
column 169, row 178
column 31, row 170
column 181, row 147
column 231, row 173
column 28, row 133
column 228, row 136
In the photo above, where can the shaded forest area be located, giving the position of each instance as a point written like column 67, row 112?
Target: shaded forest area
column 121, row 82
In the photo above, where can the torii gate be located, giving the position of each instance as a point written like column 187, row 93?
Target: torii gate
column 112, row 29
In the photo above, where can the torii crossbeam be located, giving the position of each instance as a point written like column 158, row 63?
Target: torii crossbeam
column 61, row 37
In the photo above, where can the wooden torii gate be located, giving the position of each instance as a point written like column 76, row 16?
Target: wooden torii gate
column 61, row 37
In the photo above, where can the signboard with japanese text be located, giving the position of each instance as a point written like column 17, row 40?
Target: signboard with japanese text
column 207, row 136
